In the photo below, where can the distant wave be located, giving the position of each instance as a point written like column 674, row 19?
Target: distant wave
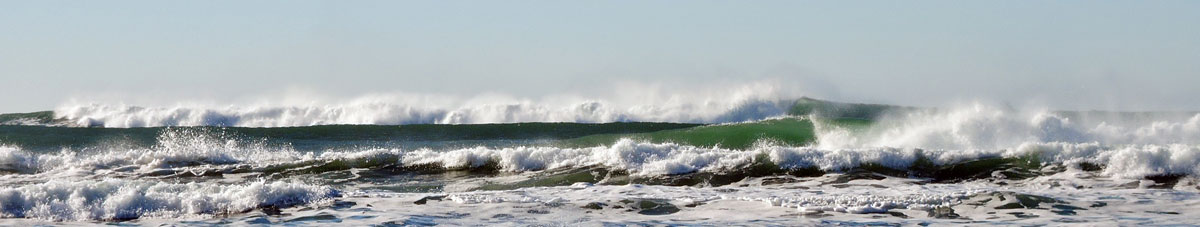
column 718, row 107
column 125, row 116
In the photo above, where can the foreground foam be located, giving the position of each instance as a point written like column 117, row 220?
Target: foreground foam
column 846, row 200
column 800, row 201
column 113, row 199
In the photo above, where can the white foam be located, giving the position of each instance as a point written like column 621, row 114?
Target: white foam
column 637, row 157
column 985, row 127
column 14, row 160
column 1128, row 161
column 113, row 199
column 803, row 201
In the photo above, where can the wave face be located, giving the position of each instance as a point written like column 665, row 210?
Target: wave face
column 833, row 163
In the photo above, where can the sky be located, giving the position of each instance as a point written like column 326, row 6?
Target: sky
column 1105, row 55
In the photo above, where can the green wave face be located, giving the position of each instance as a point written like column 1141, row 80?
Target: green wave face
column 42, row 117
column 784, row 131
column 838, row 110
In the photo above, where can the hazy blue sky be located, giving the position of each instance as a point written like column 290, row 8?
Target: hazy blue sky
column 1068, row 54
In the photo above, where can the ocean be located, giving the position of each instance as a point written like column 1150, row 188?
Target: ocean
column 782, row 162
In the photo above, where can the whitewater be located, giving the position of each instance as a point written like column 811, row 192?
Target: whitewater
column 750, row 158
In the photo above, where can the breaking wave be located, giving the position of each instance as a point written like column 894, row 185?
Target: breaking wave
column 634, row 157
